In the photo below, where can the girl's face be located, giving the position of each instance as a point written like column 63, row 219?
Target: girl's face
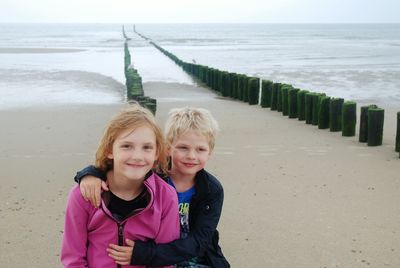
column 189, row 154
column 134, row 153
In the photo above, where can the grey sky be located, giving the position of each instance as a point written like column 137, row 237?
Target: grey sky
column 197, row 11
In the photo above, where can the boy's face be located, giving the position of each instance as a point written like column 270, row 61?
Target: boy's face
column 189, row 154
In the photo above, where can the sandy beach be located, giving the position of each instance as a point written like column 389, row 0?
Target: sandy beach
column 22, row 50
column 295, row 196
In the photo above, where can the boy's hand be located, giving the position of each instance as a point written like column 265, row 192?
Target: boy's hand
column 91, row 187
column 121, row 254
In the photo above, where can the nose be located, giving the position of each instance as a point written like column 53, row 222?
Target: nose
column 191, row 154
column 136, row 155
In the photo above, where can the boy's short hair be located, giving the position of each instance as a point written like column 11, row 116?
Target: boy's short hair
column 183, row 119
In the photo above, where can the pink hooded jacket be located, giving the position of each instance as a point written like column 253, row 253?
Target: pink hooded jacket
column 88, row 231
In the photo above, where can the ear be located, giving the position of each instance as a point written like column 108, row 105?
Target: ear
column 110, row 156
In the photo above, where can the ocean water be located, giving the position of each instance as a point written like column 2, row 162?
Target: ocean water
column 358, row 62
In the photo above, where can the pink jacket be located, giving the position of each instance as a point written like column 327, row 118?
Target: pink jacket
column 88, row 231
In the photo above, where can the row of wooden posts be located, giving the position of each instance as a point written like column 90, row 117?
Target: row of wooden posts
column 134, row 84
column 314, row 108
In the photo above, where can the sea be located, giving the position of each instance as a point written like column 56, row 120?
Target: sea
column 57, row 64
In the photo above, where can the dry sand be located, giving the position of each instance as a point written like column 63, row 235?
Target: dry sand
column 295, row 196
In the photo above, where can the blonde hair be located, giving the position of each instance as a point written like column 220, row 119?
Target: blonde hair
column 131, row 117
column 181, row 120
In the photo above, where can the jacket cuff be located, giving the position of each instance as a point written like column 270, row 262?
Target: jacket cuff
column 142, row 252
column 90, row 170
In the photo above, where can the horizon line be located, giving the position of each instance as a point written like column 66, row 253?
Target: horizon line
column 35, row 22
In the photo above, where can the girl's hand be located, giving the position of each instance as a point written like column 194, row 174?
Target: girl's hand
column 91, row 187
column 121, row 254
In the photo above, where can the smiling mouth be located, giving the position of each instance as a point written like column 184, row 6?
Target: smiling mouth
column 135, row 165
column 189, row 164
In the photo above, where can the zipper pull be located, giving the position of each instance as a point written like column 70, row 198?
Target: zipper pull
column 120, row 234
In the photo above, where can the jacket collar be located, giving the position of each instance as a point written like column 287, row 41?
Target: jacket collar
column 201, row 183
column 148, row 184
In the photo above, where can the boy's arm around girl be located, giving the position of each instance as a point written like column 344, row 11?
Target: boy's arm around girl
column 205, row 211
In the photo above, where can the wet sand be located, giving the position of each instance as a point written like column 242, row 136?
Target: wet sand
column 30, row 50
column 295, row 196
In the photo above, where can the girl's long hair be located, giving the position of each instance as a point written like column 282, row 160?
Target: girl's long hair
column 131, row 117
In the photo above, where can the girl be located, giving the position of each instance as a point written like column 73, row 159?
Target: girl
column 139, row 206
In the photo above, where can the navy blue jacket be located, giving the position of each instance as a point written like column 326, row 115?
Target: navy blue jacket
column 204, row 213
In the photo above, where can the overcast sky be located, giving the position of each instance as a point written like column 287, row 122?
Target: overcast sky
column 198, row 11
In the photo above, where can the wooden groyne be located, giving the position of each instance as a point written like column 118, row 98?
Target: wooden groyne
column 134, row 85
column 315, row 108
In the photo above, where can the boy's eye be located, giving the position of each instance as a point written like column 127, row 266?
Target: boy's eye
column 202, row 149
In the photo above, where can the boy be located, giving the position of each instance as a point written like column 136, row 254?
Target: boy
column 190, row 135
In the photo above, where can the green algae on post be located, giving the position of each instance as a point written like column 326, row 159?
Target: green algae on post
column 335, row 114
column 349, row 119
column 376, row 118
column 266, row 93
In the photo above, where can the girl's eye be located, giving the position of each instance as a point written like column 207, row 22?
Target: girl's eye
column 126, row 146
column 148, row 147
column 182, row 148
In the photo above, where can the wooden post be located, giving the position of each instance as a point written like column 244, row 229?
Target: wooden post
column 375, row 126
column 335, row 114
column 349, row 119
column 323, row 115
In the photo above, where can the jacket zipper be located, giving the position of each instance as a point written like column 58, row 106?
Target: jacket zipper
column 121, row 224
column 120, row 237
column 120, row 227
column 120, row 234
